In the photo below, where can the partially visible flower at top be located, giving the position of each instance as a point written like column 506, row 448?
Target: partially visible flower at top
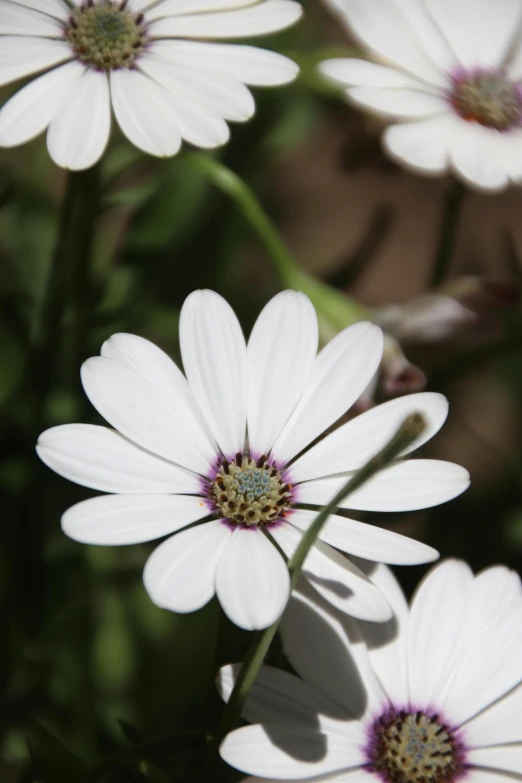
column 154, row 62
column 450, row 74
column 433, row 696
column 227, row 446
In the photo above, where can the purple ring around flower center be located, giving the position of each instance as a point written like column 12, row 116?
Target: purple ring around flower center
column 487, row 97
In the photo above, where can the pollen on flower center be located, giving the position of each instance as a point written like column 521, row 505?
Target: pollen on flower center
column 246, row 492
column 414, row 748
column 489, row 99
column 105, row 35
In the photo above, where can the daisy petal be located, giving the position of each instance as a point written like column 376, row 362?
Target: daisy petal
column 475, row 156
column 280, row 354
column 494, row 24
column 353, row 444
column 145, row 112
column 157, row 368
column 493, row 589
column 217, row 93
column 180, row 573
column 398, row 103
column 30, row 111
column 288, row 752
column 361, row 73
column 197, row 126
column 252, row 580
column 248, row 64
column 498, row 724
column 20, row 20
column 21, row 56
column 479, row 775
column 386, row 31
column 79, row 131
column 367, row 541
column 113, row 520
column 56, row 8
column 312, row 632
column 403, row 486
column 180, row 7
column 214, row 357
column 118, row 392
column 504, row 758
column 260, row 19
column 338, row 377
column 437, row 618
column 423, row 145
column 335, row 577
column 102, row 459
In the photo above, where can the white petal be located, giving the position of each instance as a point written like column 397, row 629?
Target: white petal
column 113, row 520
column 214, row 357
column 479, row 31
column 158, row 369
column 338, row 377
column 475, row 156
column 252, row 580
column 403, row 486
column 288, row 752
column 498, row 724
column 335, row 577
column 398, row 103
column 56, row 8
column 361, row 73
column 388, row 34
column 353, row 444
column 197, row 126
column 179, row 7
column 260, row 19
column 139, row 411
column 79, row 131
column 327, row 650
column 281, row 351
column 280, row 697
column 20, row 56
column 102, row 459
column 479, row 775
column 492, row 590
column 387, row 642
column 423, row 145
column 31, row 109
column 248, row 64
column 367, row 541
column 216, row 93
column 491, row 658
column 180, row 573
column 437, row 619
column 19, row 20
column 503, row 758
column 145, row 112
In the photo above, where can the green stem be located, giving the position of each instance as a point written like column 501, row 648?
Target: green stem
column 338, row 309
column 452, row 208
column 410, row 429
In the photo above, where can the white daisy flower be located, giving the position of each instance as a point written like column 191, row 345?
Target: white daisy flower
column 450, row 73
column 434, row 696
column 153, row 61
column 220, row 445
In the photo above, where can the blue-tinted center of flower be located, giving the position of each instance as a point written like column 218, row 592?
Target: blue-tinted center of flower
column 248, row 493
column 105, row 35
column 414, row 748
column 490, row 99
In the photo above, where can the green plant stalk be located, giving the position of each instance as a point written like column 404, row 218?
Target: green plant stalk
column 334, row 307
column 452, row 209
column 410, row 429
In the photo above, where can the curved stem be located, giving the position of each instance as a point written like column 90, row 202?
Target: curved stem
column 452, row 208
column 410, row 429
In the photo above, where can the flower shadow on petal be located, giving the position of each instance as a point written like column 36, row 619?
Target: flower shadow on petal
column 310, row 752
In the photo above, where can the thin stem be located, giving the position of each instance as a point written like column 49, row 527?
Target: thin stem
column 411, row 428
column 452, row 208
column 338, row 309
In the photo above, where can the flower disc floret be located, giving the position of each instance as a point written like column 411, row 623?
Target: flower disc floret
column 106, row 35
column 246, row 492
column 414, row 748
column 490, row 99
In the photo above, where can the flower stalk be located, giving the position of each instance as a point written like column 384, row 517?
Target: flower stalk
column 452, row 209
column 411, row 428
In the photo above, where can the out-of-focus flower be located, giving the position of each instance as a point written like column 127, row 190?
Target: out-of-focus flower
column 448, row 76
column 226, row 446
column 434, row 695
column 154, row 62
